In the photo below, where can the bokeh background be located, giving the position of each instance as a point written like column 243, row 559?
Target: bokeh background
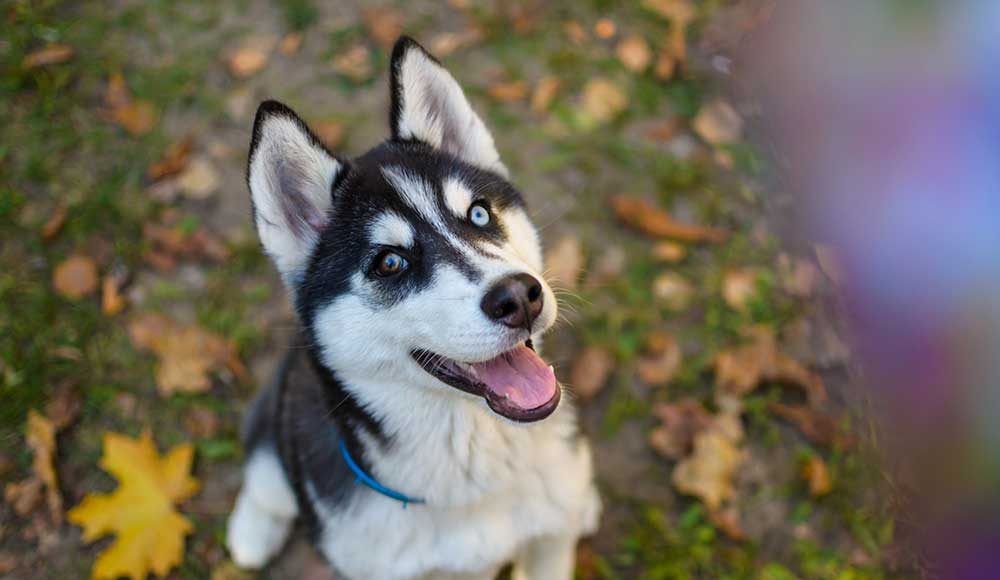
column 773, row 227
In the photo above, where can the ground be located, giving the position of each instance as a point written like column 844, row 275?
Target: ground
column 74, row 141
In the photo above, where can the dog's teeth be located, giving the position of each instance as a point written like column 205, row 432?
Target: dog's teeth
column 553, row 369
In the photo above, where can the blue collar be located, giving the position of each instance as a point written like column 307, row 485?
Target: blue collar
column 363, row 478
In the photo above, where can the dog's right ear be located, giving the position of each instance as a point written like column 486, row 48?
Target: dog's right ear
column 291, row 176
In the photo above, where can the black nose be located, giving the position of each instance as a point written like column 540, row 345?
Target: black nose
column 514, row 301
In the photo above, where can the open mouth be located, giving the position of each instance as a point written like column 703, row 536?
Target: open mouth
column 516, row 384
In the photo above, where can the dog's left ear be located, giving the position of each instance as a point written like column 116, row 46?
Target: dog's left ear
column 428, row 105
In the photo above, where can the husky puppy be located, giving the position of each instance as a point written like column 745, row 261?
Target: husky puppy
column 414, row 428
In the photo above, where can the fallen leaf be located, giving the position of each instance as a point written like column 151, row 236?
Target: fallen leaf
column 75, row 277
column 64, row 406
column 727, row 520
column 590, row 371
column 602, row 101
column 117, row 95
column 112, row 301
column 634, row 53
column 384, row 24
column 739, row 370
column 817, row 475
column 201, row 422
column 187, row 353
column 355, row 63
column 708, row 473
column 605, row 28
column 140, row 512
column 680, row 13
column 331, row 133
column 290, row 43
column 545, row 91
column 718, row 123
column 55, row 222
column 673, row 290
column 447, row 43
column 24, row 496
column 739, row 286
column 666, row 64
column 174, row 159
column 663, row 131
column 678, row 424
column 576, row 33
column 169, row 241
column 137, row 117
column 670, row 252
column 819, row 428
column 663, row 361
column 248, row 60
column 508, row 91
column 54, row 53
column 564, row 263
column 41, row 438
column 645, row 217
column 199, row 180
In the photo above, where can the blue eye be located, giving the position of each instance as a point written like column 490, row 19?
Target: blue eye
column 389, row 264
column 479, row 215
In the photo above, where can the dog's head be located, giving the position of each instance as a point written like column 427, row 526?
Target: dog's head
column 415, row 264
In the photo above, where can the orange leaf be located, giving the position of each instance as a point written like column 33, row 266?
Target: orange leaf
column 634, row 53
column 384, row 25
column 590, row 371
column 54, row 53
column 174, row 160
column 55, row 222
column 75, row 277
column 508, row 92
column 653, row 221
column 138, row 117
column 739, row 370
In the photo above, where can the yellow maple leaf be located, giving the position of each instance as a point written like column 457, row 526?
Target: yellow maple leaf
column 150, row 532
column 41, row 437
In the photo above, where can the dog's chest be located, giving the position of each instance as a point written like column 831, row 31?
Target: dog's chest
column 489, row 488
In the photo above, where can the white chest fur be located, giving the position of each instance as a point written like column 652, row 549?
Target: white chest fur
column 491, row 487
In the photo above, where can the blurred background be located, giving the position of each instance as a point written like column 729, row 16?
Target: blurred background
column 774, row 227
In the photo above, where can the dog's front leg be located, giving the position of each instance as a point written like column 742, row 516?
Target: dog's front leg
column 546, row 558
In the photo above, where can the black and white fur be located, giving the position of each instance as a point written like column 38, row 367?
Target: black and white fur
column 497, row 491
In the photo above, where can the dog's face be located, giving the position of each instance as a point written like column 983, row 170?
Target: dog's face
column 415, row 264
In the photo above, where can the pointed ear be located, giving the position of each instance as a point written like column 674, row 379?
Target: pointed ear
column 429, row 106
column 291, row 177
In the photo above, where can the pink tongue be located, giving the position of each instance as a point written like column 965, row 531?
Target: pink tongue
column 520, row 376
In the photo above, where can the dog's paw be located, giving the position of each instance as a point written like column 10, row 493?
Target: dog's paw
column 254, row 536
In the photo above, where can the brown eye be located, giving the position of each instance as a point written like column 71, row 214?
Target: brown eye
column 389, row 264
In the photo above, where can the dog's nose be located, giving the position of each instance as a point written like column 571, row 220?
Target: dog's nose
column 514, row 301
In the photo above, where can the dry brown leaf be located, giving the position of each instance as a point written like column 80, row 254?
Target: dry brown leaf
column 246, row 61
column 545, row 91
column 75, row 277
column 54, row 53
column 447, row 43
column 679, row 423
column 384, row 24
column 199, row 180
column 355, row 63
column 576, row 33
column 64, row 406
column 174, row 159
column 56, row 221
column 24, row 496
column 634, row 53
column 41, row 438
column 645, row 217
column 138, row 117
column 739, row 370
column 169, row 242
column 564, row 263
column 727, row 520
column 680, row 13
column 819, row 428
column 602, row 101
column 116, row 94
column 112, row 301
column 663, row 361
column 188, row 354
column 673, row 290
column 739, row 286
column 290, row 43
column 718, row 123
column 508, row 91
column 817, row 475
column 708, row 472
column 330, row 133
column 670, row 252
column 605, row 28
column 590, row 371
column 665, row 130
column 666, row 64
column 201, row 422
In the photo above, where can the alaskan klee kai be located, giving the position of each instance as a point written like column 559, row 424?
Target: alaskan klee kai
column 413, row 428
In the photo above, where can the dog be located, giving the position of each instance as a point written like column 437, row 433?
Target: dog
column 413, row 428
